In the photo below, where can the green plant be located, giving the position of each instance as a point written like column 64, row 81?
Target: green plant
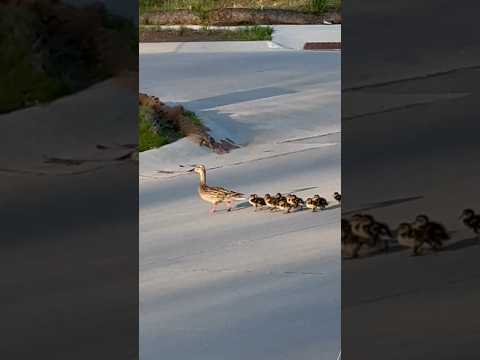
column 256, row 33
column 148, row 137
column 319, row 6
column 195, row 119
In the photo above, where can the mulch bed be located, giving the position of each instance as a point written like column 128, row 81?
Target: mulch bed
column 238, row 16
column 322, row 46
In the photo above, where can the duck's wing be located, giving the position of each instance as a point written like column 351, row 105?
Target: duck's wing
column 223, row 193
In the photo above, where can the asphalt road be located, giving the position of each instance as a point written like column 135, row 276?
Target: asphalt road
column 409, row 146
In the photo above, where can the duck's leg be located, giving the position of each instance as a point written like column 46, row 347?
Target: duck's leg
column 212, row 209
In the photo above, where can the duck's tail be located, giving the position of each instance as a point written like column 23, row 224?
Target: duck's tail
column 238, row 196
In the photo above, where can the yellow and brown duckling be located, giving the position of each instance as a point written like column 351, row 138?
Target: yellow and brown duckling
column 360, row 232
column 270, row 201
column 283, row 204
column 215, row 194
column 407, row 237
column 471, row 220
column 337, row 196
column 295, row 201
column 316, row 203
column 422, row 231
column 351, row 243
column 410, row 236
column 346, row 231
column 256, row 201
column 381, row 232
column 311, row 204
column 433, row 231
column 322, row 203
column 365, row 230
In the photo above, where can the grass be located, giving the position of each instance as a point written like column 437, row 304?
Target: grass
column 251, row 33
column 195, row 119
column 202, row 6
column 147, row 136
column 150, row 137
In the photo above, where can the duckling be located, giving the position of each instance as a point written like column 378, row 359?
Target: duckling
column 361, row 226
column 291, row 198
column 346, row 230
column 322, row 203
column 337, row 196
column 406, row 236
column 365, row 230
column 471, row 220
column 256, row 201
column 432, row 233
column 311, row 204
column 421, row 231
column 284, row 205
column 215, row 194
column 295, row 201
column 298, row 203
column 381, row 232
column 280, row 197
column 271, row 202
column 347, row 238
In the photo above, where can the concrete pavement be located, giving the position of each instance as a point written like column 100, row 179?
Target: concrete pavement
column 292, row 37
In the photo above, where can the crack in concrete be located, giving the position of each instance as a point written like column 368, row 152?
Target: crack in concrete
column 413, row 78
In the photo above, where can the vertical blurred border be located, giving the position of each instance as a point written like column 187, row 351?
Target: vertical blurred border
column 410, row 74
column 69, row 179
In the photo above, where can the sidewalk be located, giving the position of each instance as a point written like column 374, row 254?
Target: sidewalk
column 298, row 37
column 292, row 37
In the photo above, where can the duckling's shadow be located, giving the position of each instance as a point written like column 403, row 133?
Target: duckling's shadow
column 462, row 244
column 393, row 248
column 332, row 207
column 304, row 189
column 381, row 204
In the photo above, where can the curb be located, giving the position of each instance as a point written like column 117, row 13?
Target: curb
column 322, row 46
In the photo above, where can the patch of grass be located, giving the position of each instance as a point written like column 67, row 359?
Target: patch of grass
column 154, row 133
column 195, row 119
column 251, row 33
column 319, row 6
column 254, row 33
column 148, row 138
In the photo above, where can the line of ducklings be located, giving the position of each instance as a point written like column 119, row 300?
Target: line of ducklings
column 290, row 202
column 364, row 230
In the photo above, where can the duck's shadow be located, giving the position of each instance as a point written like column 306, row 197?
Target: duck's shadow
column 242, row 205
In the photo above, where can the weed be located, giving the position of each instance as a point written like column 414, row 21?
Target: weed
column 319, row 6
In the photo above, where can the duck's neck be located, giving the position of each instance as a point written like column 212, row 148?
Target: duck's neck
column 203, row 177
